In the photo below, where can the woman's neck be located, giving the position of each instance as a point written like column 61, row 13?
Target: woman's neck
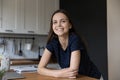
column 63, row 41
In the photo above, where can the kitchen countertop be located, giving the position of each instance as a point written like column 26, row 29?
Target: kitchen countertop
column 27, row 61
column 23, row 61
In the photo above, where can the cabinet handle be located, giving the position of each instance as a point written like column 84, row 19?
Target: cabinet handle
column 30, row 31
column 9, row 30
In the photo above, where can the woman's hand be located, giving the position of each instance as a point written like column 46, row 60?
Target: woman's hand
column 67, row 72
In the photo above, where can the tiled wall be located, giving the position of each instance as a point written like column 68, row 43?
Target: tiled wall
column 11, row 46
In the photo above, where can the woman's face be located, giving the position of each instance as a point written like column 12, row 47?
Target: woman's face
column 60, row 24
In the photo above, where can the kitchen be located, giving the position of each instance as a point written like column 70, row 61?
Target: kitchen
column 24, row 29
column 89, row 13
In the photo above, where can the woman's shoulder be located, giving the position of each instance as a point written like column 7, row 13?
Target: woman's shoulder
column 74, row 36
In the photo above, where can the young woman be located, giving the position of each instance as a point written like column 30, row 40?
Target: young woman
column 69, row 49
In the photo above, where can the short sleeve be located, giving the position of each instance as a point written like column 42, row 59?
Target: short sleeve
column 49, row 46
column 76, row 44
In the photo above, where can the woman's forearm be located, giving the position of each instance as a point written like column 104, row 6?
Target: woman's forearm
column 48, row 72
column 66, row 72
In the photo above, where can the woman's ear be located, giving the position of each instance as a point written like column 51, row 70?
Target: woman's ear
column 70, row 27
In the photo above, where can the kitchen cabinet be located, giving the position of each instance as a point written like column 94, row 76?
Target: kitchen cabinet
column 50, row 7
column 0, row 13
column 8, row 15
column 11, row 16
column 26, row 16
column 41, row 7
column 30, row 16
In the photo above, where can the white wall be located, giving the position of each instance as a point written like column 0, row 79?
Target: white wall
column 113, row 33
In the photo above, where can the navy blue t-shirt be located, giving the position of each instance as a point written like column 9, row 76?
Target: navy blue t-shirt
column 63, row 56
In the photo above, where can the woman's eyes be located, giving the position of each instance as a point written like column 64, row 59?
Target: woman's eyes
column 62, row 21
column 54, row 22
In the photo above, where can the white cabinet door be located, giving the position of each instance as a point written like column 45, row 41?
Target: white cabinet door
column 30, row 16
column 50, row 7
column 0, row 13
column 8, row 16
column 41, row 7
column 19, row 17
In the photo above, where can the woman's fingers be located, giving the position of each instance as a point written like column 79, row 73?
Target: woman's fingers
column 72, row 74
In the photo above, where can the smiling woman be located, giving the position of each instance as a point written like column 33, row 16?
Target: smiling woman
column 68, row 48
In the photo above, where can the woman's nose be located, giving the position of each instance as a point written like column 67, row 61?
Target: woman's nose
column 59, row 24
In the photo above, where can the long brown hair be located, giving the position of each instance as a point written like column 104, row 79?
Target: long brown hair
column 51, row 33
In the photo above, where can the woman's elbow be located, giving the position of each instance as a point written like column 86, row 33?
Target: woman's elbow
column 39, row 70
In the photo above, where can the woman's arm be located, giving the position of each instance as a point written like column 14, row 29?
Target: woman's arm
column 70, row 72
column 43, row 63
column 75, row 60
column 42, row 69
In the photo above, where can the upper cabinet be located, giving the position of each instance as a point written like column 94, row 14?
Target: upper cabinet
column 26, row 16
column 8, row 15
column 52, row 5
column 0, row 13
column 30, row 20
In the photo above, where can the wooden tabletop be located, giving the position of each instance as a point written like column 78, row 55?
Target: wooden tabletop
column 36, row 76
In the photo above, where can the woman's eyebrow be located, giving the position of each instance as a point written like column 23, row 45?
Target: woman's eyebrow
column 64, row 19
column 60, row 19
